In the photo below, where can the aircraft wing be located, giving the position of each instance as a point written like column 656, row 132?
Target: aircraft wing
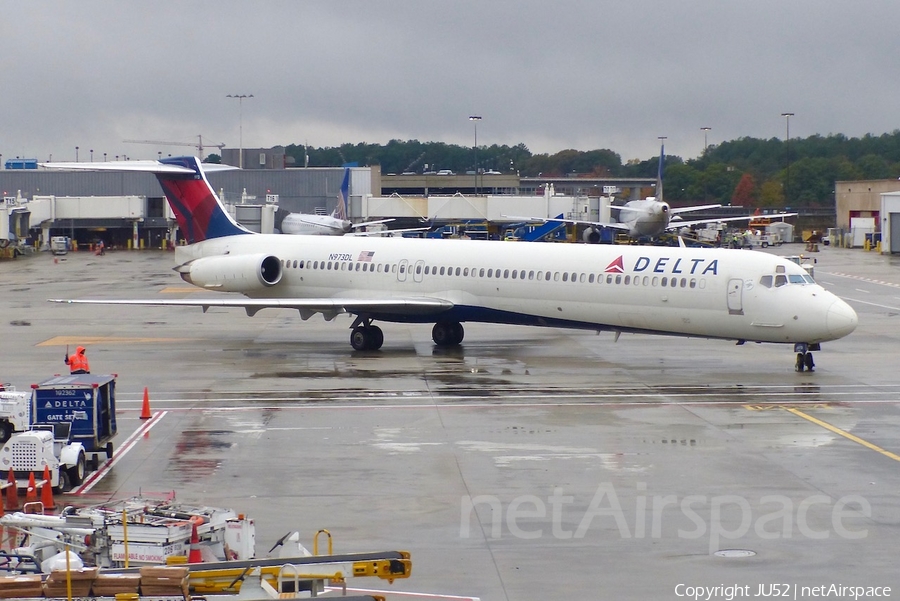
column 386, row 232
column 148, row 166
column 612, row 224
column 677, row 210
column 329, row 307
column 679, row 224
column 367, row 223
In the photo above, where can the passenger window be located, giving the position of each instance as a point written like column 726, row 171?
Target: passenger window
column 457, row 270
column 618, row 279
column 531, row 275
column 505, row 274
column 555, row 276
column 664, row 282
column 581, row 278
column 693, row 283
column 547, row 277
column 540, row 276
column 481, row 273
column 627, row 279
column 515, row 274
column 591, row 279
column 565, row 276
column 418, row 269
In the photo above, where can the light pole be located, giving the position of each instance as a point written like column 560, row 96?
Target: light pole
column 705, row 146
column 240, row 98
column 475, row 119
column 787, row 137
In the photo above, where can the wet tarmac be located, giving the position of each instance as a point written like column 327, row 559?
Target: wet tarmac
column 529, row 464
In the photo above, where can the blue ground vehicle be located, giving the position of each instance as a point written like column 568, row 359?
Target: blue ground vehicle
column 86, row 401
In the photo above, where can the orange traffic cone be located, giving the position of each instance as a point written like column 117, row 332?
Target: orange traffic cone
column 145, row 408
column 194, row 556
column 47, row 491
column 31, row 491
column 12, row 493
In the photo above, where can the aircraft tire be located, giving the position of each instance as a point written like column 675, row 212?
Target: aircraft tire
column 359, row 339
column 447, row 333
column 364, row 338
column 377, row 338
column 801, row 361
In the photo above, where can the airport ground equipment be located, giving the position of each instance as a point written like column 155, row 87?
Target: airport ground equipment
column 28, row 447
column 15, row 412
column 26, row 453
column 87, row 402
column 151, row 531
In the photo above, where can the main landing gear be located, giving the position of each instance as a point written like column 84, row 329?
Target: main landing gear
column 364, row 336
column 805, row 356
column 447, row 333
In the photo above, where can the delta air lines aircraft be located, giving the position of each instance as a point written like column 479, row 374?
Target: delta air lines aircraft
column 710, row 293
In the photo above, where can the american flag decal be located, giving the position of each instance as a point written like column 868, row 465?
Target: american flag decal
column 366, row 256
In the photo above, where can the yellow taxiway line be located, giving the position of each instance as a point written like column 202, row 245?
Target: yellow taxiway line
column 843, row 433
column 89, row 340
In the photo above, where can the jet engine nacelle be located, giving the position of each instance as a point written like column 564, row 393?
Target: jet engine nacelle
column 591, row 235
column 244, row 273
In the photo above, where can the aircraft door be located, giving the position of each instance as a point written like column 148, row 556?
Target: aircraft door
column 418, row 271
column 735, row 294
column 401, row 270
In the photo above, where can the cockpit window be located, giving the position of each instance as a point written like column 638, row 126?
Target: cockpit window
column 796, row 278
column 780, row 280
column 766, row 281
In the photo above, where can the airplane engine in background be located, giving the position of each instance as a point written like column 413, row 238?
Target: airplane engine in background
column 591, row 235
column 242, row 273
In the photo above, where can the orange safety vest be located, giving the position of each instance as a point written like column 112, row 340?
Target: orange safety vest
column 78, row 362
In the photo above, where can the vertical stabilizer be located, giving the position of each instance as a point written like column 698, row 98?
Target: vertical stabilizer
column 343, row 197
column 199, row 212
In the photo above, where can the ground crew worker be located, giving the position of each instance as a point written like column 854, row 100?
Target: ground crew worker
column 78, row 362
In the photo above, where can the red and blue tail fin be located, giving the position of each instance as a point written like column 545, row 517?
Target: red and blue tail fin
column 199, row 212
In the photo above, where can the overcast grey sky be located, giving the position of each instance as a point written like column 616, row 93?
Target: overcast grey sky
column 580, row 74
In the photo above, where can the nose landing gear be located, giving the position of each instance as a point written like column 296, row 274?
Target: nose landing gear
column 805, row 356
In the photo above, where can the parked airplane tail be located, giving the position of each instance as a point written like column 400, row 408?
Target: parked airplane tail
column 199, row 212
column 343, row 197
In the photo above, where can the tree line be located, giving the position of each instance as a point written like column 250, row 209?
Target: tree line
column 744, row 172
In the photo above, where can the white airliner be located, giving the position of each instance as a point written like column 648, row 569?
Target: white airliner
column 710, row 293
column 335, row 224
column 648, row 217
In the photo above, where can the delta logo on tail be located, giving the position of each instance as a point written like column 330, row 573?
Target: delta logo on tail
column 680, row 266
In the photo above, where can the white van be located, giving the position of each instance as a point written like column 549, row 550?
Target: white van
column 59, row 245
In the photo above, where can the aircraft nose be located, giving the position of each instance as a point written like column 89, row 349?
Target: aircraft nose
column 841, row 319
